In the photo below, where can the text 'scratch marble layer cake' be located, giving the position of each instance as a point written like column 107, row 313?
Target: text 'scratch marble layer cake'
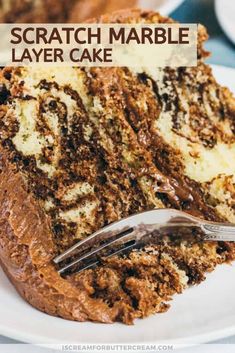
column 81, row 148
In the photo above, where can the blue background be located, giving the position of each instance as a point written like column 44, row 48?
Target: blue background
column 202, row 11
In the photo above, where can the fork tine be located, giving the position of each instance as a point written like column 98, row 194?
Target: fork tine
column 63, row 269
column 86, row 267
column 112, row 229
column 127, row 236
column 149, row 217
column 134, row 228
column 121, row 236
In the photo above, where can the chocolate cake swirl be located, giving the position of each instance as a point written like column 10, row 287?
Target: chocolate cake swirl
column 83, row 147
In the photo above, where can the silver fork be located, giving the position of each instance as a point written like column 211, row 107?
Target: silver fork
column 136, row 231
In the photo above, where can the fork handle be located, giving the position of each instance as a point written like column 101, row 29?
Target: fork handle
column 219, row 232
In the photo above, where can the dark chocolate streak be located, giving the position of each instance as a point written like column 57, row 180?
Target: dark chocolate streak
column 176, row 189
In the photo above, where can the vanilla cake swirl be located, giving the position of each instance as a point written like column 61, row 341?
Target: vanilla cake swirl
column 83, row 147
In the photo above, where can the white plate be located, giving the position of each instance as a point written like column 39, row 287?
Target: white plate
column 169, row 6
column 200, row 314
column 225, row 12
column 164, row 7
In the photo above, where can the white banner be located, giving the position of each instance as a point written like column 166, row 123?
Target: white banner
column 156, row 45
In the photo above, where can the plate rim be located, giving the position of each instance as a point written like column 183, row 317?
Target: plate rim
column 223, row 24
column 179, row 342
column 169, row 6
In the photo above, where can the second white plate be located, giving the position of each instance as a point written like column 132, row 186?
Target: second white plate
column 164, row 7
column 225, row 12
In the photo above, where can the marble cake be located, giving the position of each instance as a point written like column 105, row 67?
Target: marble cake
column 81, row 148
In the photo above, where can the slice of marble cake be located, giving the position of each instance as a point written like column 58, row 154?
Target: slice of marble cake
column 81, row 148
